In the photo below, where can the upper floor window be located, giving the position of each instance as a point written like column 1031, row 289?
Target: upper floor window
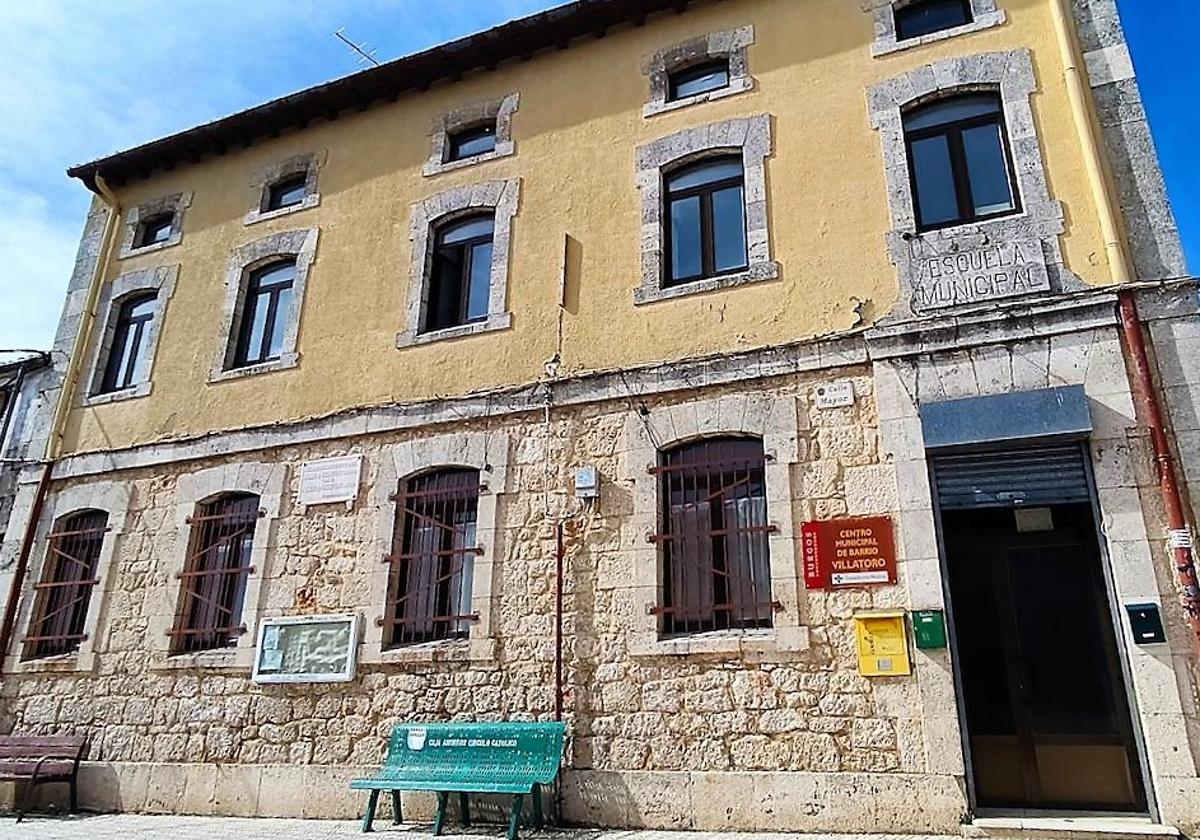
column 698, row 79
column 472, row 142
column 286, row 192
column 155, row 229
column 266, row 312
column 215, row 574
column 460, row 283
column 705, row 220
column 959, row 161
column 432, row 565
column 127, row 354
column 716, row 569
column 64, row 593
column 924, row 17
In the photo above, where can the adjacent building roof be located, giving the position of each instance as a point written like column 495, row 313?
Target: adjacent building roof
column 518, row 39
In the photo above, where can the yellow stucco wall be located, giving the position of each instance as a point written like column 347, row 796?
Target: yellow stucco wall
column 578, row 125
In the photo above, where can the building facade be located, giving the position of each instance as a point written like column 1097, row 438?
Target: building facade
column 538, row 356
column 21, row 374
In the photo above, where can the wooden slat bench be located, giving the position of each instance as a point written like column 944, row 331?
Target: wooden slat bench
column 41, row 760
column 465, row 758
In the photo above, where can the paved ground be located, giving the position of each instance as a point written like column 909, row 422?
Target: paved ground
column 121, row 827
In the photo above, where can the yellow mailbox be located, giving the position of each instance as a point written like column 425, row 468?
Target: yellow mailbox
column 882, row 644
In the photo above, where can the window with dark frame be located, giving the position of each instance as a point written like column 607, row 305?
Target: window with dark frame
column 471, row 142
column 959, row 161
column 64, row 593
column 461, row 276
column 266, row 313
column 697, row 79
column 705, row 220
column 286, row 192
column 124, row 366
column 155, row 229
column 215, row 573
column 924, row 17
column 714, row 549
column 432, row 565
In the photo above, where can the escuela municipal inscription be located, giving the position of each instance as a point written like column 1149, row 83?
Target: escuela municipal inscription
column 1001, row 270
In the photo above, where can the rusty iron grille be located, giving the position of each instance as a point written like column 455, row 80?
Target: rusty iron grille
column 213, row 581
column 716, row 569
column 62, row 596
column 432, row 563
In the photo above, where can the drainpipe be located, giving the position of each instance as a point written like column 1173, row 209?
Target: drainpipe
column 66, row 396
column 1144, row 391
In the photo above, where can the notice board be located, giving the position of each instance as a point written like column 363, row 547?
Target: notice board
column 841, row 553
column 306, row 649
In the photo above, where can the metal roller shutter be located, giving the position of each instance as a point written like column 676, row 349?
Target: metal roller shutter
column 1036, row 476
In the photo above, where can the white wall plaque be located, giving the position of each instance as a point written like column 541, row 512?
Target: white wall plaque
column 330, row 480
column 835, row 395
column 306, row 649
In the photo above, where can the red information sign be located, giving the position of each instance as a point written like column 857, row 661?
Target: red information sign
column 848, row 552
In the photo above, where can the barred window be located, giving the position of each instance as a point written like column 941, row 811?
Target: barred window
column 62, row 596
column 214, row 576
column 716, row 569
column 432, row 565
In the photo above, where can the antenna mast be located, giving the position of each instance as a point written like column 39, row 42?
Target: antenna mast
column 365, row 54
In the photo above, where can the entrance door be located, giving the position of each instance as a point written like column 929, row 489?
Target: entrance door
column 1047, row 715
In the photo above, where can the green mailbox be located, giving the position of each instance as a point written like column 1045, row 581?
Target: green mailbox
column 929, row 629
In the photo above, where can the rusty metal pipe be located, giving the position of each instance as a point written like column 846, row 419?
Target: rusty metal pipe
column 1147, row 397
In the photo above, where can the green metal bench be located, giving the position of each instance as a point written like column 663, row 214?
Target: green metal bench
column 465, row 758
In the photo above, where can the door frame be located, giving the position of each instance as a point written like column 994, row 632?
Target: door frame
column 1114, row 610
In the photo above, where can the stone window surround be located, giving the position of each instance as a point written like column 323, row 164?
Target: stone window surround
column 731, row 44
column 984, row 15
column 161, row 281
column 266, row 480
column 263, row 179
column 112, row 497
column 751, row 135
column 485, row 452
column 469, row 116
column 501, row 197
column 774, row 420
column 299, row 244
column 175, row 204
column 1041, row 217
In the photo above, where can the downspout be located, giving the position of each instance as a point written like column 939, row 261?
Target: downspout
column 66, row 396
column 1121, row 273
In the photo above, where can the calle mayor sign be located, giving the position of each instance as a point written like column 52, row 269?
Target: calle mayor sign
column 999, row 270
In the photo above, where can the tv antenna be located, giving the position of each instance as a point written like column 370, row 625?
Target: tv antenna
column 365, row 54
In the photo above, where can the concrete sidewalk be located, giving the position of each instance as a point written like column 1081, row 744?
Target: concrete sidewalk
column 129, row 827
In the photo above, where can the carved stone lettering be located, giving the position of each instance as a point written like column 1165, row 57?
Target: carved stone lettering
column 1000, row 270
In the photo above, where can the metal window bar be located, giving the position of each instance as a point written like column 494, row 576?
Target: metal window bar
column 64, row 593
column 432, row 564
column 716, row 571
column 213, row 580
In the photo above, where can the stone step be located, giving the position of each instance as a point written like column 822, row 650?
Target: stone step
column 1067, row 828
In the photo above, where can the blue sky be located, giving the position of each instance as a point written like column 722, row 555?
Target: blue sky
column 83, row 79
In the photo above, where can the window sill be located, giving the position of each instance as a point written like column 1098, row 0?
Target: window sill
column 137, row 391
column 502, row 150
column 756, row 273
column 735, row 87
column 450, row 650
column 63, row 663
column 764, row 644
column 983, row 21
column 150, row 249
column 286, row 362
column 231, row 659
column 255, row 216
column 499, row 321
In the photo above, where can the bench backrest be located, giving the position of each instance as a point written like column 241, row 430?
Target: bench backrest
column 514, row 753
column 39, row 746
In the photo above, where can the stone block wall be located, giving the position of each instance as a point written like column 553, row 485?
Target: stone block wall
column 670, row 740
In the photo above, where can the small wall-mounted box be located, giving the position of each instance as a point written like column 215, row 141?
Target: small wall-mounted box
column 929, row 629
column 587, row 483
column 1145, row 620
column 882, row 644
